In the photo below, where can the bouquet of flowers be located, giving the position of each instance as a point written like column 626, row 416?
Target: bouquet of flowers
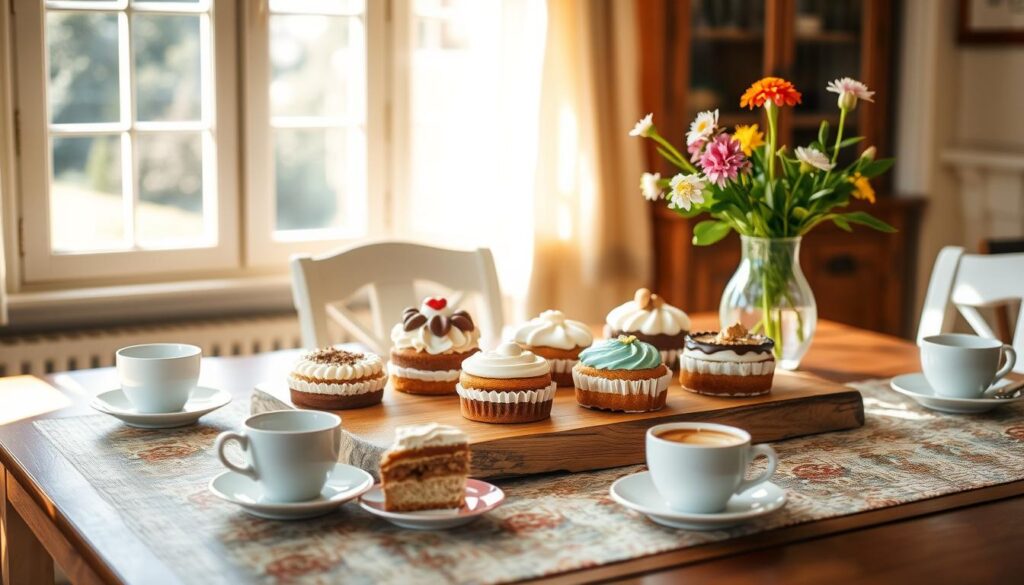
column 745, row 181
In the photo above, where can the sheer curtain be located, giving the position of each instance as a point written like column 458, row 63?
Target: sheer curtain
column 592, row 233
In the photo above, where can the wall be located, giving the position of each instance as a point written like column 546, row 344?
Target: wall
column 957, row 105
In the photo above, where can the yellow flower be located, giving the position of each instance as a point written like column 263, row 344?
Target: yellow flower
column 748, row 137
column 862, row 187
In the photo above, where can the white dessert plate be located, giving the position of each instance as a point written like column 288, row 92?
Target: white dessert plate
column 481, row 497
column 345, row 483
column 637, row 492
column 916, row 386
column 203, row 401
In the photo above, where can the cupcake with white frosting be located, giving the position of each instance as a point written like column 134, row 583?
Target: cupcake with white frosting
column 651, row 320
column 622, row 374
column 335, row 379
column 556, row 339
column 429, row 346
column 507, row 385
column 731, row 362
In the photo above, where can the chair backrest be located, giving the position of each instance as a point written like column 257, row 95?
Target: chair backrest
column 391, row 271
column 969, row 283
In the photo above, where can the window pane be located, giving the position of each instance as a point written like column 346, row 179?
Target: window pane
column 170, row 189
column 167, row 73
column 318, row 6
column 82, row 49
column 86, row 209
column 321, row 179
column 318, row 66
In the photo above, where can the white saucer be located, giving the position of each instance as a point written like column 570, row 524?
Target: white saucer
column 345, row 483
column 203, row 401
column 481, row 497
column 637, row 492
column 916, row 386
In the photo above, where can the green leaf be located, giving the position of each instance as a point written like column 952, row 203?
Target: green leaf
column 863, row 218
column 876, row 167
column 822, row 193
column 823, row 132
column 709, row 231
column 850, row 141
column 842, row 223
column 800, row 213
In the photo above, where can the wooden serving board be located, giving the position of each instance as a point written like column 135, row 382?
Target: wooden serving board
column 579, row 439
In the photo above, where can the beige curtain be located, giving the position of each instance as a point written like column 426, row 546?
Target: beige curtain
column 592, row 239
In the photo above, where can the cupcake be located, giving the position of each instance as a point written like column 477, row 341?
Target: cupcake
column 731, row 362
column 429, row 346
column 623, row 374
column 335, row 379
column 651, row 320
column 556, row 339
column 507, row 385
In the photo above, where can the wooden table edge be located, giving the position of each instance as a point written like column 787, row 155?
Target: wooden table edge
column 824, row 528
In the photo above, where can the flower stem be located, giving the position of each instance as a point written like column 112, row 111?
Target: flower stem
column 681, row 160
column 839, row 134
column 773, row 133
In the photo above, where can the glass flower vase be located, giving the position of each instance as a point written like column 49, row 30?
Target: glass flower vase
column 768, row 294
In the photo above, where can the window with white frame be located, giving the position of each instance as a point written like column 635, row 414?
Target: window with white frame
column 359, row 118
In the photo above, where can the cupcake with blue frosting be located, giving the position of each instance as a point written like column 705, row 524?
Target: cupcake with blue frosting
column 622, row 374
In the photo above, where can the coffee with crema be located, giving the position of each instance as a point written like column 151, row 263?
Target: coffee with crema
column 705, row 437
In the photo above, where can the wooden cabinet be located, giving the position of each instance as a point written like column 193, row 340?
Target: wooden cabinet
column 701, row 54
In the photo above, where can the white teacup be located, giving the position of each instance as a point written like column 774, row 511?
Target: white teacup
column 700, row 474
column 290, row 452
column 158, row 377
column 965, row 366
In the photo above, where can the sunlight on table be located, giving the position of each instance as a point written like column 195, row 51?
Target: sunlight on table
column 27, row 396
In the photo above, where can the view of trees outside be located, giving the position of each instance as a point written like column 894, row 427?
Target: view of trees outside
column 87, row 193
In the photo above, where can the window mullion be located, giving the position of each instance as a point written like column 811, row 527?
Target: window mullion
column 126, row 75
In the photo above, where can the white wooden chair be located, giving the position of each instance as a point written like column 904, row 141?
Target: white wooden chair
column 322, row 285
column 970, row 284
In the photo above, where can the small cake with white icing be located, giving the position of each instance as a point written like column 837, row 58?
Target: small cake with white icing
column 507, row 385
column 429, row 346
column 556, row 339
column 335, row 379
column 425, row 468
column 622, row 374
column 731, row 362
column 651, row 320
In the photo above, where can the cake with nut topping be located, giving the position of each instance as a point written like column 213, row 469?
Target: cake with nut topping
column 429, row 346
column 335, row 379
column 653, row 321
column 730, row 362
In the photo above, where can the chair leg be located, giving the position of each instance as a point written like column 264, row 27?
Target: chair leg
column 23, row 559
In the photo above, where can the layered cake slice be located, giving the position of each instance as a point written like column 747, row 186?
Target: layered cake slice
column 425, row 468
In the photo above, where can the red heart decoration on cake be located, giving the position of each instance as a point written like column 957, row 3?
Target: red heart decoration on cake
column 437, row 303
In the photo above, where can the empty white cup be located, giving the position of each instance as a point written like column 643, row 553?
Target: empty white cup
column 290, row 452
column 158, row 377
column 958, row 365
column 700, row 478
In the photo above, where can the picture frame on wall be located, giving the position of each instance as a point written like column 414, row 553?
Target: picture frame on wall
column 991, row 22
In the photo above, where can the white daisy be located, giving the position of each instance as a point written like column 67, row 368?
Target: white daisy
column 643, row 127
column 686, row 190
column 813, row 157
column 649, row 186
column 702, row 127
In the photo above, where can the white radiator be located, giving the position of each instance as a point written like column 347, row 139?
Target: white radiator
column 73, row 350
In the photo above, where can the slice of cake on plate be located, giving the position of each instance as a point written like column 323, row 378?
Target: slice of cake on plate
column 425, row 468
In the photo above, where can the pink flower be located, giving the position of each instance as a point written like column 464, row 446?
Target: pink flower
column 723, row 160
column 695, row 150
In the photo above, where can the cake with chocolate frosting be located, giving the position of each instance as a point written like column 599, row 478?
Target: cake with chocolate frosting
column 622, row 374
column 429, row 346
column 651, row 320
column 507, row 385
column 425, row 468
column 335, row 379
column 556, row 339
column 731, row 362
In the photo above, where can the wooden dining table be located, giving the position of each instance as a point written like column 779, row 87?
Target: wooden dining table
column 51, row 513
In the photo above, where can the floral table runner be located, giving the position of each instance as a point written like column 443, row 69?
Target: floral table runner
column 550, row 524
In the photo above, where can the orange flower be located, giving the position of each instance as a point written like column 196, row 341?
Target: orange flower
column 777, row 90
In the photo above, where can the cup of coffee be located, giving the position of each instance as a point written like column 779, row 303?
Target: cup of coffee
column 697, row 467
column 965, row 366
column 158, row 377
column 290, row 452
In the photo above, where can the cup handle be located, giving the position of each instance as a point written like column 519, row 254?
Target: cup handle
column 243, row 442
column 1010, row 355
column 773, row 462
